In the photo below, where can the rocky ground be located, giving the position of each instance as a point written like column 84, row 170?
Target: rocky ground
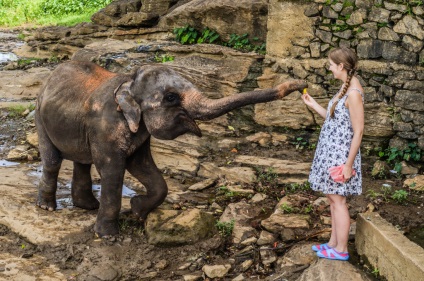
column 260, row 229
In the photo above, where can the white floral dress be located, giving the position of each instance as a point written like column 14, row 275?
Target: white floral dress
column 333, row 149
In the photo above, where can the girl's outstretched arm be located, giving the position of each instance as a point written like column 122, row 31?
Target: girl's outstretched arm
column 312, row 103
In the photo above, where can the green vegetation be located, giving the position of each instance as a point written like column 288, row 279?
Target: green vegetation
column 267, row 177
column 298, row 187
column 396, row 155
column 27, row 61
column 225, row 228
column 18, row 110
column 189, row 35
column 400, row 196
column 348, row 4
column 48, row 12
column 302, row 143
column 128, row 225
column 223, row 190
column 375, row 272
column 386, row 193
column 242, row 43
column 286, row 208
column 163, row 58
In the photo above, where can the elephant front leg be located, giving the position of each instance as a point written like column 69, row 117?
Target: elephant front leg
column 82, row 193
column 110, row 200
column 142, row 167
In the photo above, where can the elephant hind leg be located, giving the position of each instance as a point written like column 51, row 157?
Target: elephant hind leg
column 82, row 194
column 51, row 160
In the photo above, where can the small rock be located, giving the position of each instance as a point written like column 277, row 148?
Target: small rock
column 18, row 153
column 184, row 266
column 193, row 277
column 25, row 113
column 160, row 265
column 325, row 220
column 104, row 273
column 266, row 238
column 380, row 169
column 245, row 265
column 148, row 275
column 216, row 271
column 258, row 197
column 415, row 183
column 267, row 256
column 202, row 185
column 215, row 206
column 322, row 201
column 249, row 241
column 408, row 169
column 32, row 139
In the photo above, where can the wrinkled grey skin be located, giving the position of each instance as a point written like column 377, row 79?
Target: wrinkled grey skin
column 92, row 116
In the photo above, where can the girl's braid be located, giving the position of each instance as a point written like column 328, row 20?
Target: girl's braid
column 343, row 92
column 349, row 59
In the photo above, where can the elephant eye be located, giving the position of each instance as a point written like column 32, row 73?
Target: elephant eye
column 171, row 97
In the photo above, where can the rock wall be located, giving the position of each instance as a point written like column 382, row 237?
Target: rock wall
column 388, row 38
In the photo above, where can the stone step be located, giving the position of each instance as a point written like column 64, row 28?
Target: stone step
column 388, row 250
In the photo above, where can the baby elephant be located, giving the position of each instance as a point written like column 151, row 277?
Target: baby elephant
column 91, row 116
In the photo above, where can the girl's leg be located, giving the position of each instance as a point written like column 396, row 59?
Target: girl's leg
column 333, row 238
column 342, row 221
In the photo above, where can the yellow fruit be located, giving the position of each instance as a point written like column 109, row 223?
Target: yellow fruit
column 304, row 91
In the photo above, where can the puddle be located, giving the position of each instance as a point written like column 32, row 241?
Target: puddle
column 126, row 191
column 63, row 195
column 66, row 201
column 5, row 57
column 5, row 163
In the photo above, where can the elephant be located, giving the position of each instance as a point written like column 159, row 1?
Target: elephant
column 92, row 116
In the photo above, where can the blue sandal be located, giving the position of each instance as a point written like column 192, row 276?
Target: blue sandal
column 332, row 254
column 320, row 247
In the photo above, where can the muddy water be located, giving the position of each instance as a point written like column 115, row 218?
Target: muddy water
column 5, row 163
column 6, row 57
column 8, row 42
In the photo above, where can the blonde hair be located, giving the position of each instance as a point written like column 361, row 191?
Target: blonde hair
column 349, row 60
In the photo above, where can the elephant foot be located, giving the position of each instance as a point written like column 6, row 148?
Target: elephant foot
column 46, row 201
column 106, row 229
column 87, row 202
column 140, row 207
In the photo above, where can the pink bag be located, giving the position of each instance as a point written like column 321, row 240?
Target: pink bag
column 336, row 173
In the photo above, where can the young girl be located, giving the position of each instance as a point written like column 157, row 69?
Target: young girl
column 338, row 144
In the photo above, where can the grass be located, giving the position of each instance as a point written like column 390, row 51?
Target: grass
column 225, row 228
column 18, row 110
column 34, row 13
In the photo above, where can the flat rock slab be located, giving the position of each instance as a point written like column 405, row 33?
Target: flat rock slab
column 325, row 269
column 22, row 84
column 18, row 190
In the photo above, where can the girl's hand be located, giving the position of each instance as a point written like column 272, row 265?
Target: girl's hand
column 308, row 100
column 347, row 172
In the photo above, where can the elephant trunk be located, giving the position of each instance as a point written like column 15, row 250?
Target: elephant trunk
column 202, row 108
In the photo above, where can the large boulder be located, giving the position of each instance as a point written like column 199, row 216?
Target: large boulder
column 224, row 16
column 171, row 227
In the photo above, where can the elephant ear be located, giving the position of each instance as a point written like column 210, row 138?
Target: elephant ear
column 128, row 105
